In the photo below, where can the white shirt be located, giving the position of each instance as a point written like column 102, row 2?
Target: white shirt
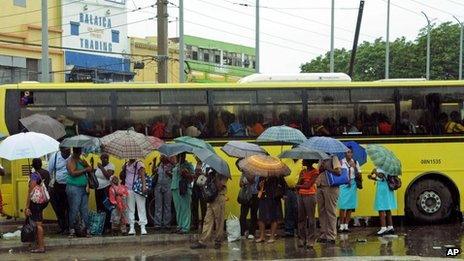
column 351, row 170
column 103, row 182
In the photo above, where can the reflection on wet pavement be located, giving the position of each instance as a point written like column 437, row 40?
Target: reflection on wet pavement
column 425, row 241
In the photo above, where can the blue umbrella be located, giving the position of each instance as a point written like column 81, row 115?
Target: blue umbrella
column 172, row 149
column 325, row 144
column 359, row 153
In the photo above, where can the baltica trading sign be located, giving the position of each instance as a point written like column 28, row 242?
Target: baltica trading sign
column 95, row 25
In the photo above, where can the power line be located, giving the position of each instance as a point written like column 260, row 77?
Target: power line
column 53, row 19
column 454, row 2
column 401, row 7
column 228, row 32
column 432, row 7
column 120, row 13
column 37, row 10
column 276, row 22
column 75, row 49
column 292, row 8
column 252, row 29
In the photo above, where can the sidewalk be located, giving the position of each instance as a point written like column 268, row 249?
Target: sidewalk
column 63, row 242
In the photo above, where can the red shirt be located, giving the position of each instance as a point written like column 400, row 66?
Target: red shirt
column 307, row 176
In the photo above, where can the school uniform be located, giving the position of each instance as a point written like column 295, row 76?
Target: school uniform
column 348, row 198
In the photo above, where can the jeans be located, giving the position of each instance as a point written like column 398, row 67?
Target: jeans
column 136, row 199
column 59, row 201
column 291, row 212
column 100, row 196
column 252, row 207
column 197, row 201
column 163, row 199
column 78, row 204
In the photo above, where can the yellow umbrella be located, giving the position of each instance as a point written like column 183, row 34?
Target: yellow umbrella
column 264, row 166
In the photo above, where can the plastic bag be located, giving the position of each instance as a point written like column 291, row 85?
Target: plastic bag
column 233, row 228
column 97, row 222
column 28, row 231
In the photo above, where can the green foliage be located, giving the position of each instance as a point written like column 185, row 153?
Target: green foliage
column 407, row 58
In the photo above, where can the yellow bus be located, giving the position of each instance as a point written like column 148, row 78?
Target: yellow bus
column 409, row 117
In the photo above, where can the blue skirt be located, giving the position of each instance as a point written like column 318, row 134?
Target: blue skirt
column 384, row 197
column 348, row 196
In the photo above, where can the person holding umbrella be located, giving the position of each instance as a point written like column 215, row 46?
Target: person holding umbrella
column 182, row 177
column 387, row 164
column 214, row 219
column 103, row 172
column 163, row 196
column 76, row 190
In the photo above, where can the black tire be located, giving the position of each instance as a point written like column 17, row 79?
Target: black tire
column 429, row 201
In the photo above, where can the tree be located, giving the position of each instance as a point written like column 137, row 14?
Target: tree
column 407, row 58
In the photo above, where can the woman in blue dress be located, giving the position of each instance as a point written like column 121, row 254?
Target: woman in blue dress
column 385, row 201
column 348, row 197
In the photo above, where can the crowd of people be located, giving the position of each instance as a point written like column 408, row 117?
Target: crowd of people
column 176, row 180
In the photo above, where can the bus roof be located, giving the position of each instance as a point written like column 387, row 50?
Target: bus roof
column 227, row 86
column 299, row 77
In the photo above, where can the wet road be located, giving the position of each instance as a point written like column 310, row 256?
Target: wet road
column 411, row 243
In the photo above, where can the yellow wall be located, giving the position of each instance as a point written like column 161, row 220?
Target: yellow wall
column 148, row 46
column 26, row 28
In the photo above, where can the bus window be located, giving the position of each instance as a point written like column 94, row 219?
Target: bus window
column 431, row 111
column 279, row 96
column 138, row 98
column 165, row 121
column 184, row 97
column 89, row 98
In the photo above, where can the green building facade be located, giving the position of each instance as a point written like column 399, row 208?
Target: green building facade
column 215, row 61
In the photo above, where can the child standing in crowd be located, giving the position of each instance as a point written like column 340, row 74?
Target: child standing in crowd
column 307, row 204
column 118, row 198
column 385, row 201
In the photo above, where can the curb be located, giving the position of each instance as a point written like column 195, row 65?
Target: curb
column 54, row 243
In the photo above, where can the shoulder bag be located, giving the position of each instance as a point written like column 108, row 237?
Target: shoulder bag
column 335, row 180
column 53, row 174
column 39, row 194
column 137, row 185
column 393, row 182
column 92, row 180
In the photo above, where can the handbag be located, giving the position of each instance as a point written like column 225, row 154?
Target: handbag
column 183, row 186
column 39, row 193
column 92, row 179
column 335, row 180
column 244, row 196
column 28, row 231
column 209, row 191
column 107, row 204
column 96, row 223
column 393, row 182
column 137, row 185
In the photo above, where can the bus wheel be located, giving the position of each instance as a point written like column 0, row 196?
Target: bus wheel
column 429, row 201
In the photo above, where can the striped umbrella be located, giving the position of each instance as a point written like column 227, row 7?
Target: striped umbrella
column 325, row 144
column 264, row 166
column 384, row 159
column 282, row 134
column 127, row 144
column 242, row 149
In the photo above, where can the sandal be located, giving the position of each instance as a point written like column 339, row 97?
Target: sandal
column 259, row 240
column 38, row 251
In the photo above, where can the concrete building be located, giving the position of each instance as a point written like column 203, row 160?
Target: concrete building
column 20, row 22
column 95, row 38
column 145, row 67
column 216, row 61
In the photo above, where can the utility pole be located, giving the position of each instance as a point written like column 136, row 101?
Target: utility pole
column 181, row 42
column 162, row 18
column 356, row 37
column 427, row 72
column 257, row 38
column 332, row 35
column 460, row 46
column 45, row 69
column 387, row 44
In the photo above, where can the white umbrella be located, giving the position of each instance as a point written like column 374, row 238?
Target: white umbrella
column 27, row 145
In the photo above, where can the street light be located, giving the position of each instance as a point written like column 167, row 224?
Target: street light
column 387, row 44
column 460, row 47
column 257, row 38
column 181, row 42
column 427, row 73
column 332, row 35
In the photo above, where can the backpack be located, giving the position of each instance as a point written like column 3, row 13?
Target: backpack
column 393, row 182
column 209, row 190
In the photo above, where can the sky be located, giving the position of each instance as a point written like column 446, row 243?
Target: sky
column 293, row 32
